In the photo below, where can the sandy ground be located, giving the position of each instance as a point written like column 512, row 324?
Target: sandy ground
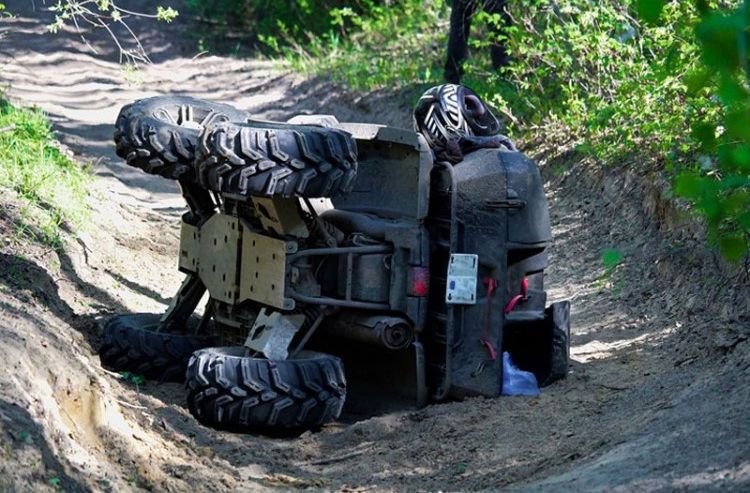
column 657, row 398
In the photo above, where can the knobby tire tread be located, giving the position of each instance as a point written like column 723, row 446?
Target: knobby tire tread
column 254, row 394
column 276, row 160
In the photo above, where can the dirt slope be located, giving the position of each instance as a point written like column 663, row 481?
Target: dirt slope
column 657, row 399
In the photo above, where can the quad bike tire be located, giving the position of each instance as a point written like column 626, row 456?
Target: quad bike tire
column 131, row 343
column 281, row 160
column 159, row 134
column 229, row 390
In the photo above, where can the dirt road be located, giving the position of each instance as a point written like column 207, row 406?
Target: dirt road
column 657, row 399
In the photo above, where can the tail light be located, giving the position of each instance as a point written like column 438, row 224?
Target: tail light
column 419, row 281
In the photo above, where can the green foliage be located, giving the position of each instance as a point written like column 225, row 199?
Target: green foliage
column 719, row 186
column 32, row 164
column 610, row 279
column 133, row 378
column 392, row 45
column 650, row 10
column 611, row 258
column 586, row 70
column 166, row 14
column 649, row 83
column 85, row 14
column 590, row 74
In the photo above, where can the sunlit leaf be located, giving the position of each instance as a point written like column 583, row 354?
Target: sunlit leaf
column 166, row 14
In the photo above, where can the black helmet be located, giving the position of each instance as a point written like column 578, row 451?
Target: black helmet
column 448, row 112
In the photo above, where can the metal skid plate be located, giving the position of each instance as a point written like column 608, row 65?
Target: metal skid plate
column 461, row 288
column 218, row 257
column 189, row 241
column 263, row 270
column 272, row 333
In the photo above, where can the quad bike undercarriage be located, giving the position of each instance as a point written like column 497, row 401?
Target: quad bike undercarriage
column 414, row 274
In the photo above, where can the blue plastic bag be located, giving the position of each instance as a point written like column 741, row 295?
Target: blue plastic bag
column 517, row 381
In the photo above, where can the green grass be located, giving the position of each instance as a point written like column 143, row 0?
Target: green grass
column 51, row 185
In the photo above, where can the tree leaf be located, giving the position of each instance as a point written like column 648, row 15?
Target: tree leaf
column 738, row 124
column 718, row 34
column 705, row 133
column 687, row 185
column 650, row 10
column 733, row 247
column 695, row 80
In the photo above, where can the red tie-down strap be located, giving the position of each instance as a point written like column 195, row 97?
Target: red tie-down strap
column 519, row 297
column 491, row 287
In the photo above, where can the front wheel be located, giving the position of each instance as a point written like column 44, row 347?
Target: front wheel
column 131, row 343
column 229, row 390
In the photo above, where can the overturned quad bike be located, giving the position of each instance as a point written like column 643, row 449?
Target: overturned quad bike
column 331, row 252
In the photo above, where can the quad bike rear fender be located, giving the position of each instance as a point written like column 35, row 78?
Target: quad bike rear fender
column 491, row 204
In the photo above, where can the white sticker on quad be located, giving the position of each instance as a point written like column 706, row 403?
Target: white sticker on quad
column 461, row 286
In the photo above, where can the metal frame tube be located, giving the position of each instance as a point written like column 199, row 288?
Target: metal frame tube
column 316, row 252
column 322, row 300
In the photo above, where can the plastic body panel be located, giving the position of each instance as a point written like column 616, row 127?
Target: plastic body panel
column 491, row 204
column 393, row 173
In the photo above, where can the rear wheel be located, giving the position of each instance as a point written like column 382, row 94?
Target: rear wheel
column 159, row 134
column 276, row 160
column 229, row 390
column 131, row 343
